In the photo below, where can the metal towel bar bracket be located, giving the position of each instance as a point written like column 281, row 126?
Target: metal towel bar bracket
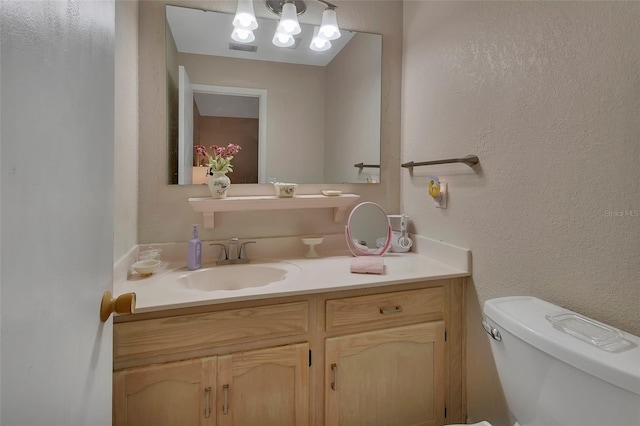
column 362, row 166
column 469, row 160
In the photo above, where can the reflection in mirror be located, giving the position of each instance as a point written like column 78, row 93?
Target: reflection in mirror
column 323, row 110
column 368, row 230
column 222, row 114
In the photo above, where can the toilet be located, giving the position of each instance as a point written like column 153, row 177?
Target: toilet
column 557, row 367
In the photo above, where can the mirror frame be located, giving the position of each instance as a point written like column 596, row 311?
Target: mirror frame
column 359, row 250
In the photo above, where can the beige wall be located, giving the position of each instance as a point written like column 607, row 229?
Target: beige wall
column 126, row 129
column 353, row 96
column 547, row 95
column 165, row 216
column 295, row 136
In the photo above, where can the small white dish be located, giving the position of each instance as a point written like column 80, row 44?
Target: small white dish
column 146, row 267
column 312, row 241
column 331, row 192
column 285, row 190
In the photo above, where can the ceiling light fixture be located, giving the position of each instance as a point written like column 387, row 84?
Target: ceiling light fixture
column 289, row 19
column 329, row 27
column 289, row 25
column 319, row 43
column 283, row 40
column 242, row 36
column 244, row 22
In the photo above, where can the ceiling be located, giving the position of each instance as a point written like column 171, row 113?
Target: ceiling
column 214, row 105
column 209, row 33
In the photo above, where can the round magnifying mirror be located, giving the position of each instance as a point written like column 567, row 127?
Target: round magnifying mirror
column 368, row 230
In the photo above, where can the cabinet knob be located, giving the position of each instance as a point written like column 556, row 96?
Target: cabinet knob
column 123, row 304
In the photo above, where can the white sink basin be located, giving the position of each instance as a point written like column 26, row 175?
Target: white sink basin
column 236, row 277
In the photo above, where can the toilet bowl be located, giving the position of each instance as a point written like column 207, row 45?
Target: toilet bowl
column 557, row 367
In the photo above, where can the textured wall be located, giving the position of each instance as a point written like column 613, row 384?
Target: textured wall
column 165, row 216
column 126, row 129
column 547, row 94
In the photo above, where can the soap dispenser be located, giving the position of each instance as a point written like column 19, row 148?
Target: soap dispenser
column 194, row 251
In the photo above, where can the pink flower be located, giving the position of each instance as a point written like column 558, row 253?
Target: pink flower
column 220, row 161
column 233, row 149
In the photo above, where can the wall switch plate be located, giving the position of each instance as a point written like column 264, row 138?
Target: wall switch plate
column 441, row 200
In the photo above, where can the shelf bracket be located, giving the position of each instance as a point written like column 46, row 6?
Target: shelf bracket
column 339, row 213
column 208, row 219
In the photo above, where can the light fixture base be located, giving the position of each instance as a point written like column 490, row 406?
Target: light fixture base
column 275, row 6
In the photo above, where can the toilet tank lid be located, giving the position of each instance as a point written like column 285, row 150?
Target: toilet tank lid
column 525, row 318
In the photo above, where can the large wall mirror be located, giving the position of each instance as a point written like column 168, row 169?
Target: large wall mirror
column 300, row 116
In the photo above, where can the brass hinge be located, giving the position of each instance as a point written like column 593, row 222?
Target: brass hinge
column 309, row 357
column 445, row 411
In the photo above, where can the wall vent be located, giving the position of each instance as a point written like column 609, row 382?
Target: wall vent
column 243, row 47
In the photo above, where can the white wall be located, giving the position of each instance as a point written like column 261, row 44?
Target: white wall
column 164, row 214
column 547, row 94
column 57, row 127
column 126, row 128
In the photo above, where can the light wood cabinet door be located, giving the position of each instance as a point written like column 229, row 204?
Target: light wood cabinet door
column 264, row 387
column 175, row 394
column 389, row 377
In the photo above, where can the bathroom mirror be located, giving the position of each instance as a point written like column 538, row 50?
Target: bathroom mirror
column 318, row 115
column 368, row 230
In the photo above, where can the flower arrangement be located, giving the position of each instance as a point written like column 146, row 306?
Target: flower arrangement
column 220, row 161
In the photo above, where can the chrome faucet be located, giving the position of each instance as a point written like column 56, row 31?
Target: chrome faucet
column 231, row 256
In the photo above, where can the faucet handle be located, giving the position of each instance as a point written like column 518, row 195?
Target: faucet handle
column 243, row 250
column 223, row 251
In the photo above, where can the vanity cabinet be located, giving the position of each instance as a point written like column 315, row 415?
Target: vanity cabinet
column 394, row 373
column 260, row 367
column 391, row 376
column 385, row 355
column 264, row 387
column 267, row 387
column 181, row 393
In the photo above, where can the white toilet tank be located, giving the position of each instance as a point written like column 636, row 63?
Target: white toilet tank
column 563, row 370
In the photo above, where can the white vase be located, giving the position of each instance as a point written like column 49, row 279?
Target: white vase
column 219, row 184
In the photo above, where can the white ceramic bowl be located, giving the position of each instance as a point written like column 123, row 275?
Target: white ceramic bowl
column 285, row 190
column 146, row 267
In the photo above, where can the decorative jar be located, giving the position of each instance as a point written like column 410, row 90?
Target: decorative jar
column 219, row 184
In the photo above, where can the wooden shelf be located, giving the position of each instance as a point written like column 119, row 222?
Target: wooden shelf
column 209, row 206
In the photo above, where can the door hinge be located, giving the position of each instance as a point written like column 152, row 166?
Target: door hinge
column 445, row 411
column 445, row 335
column 309, row 357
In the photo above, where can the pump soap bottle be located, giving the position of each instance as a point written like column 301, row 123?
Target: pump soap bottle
column 194, row 251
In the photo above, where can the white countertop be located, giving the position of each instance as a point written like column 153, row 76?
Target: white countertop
column 161, row 291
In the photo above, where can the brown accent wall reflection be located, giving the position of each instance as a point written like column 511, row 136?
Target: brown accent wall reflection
column 222, row 131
